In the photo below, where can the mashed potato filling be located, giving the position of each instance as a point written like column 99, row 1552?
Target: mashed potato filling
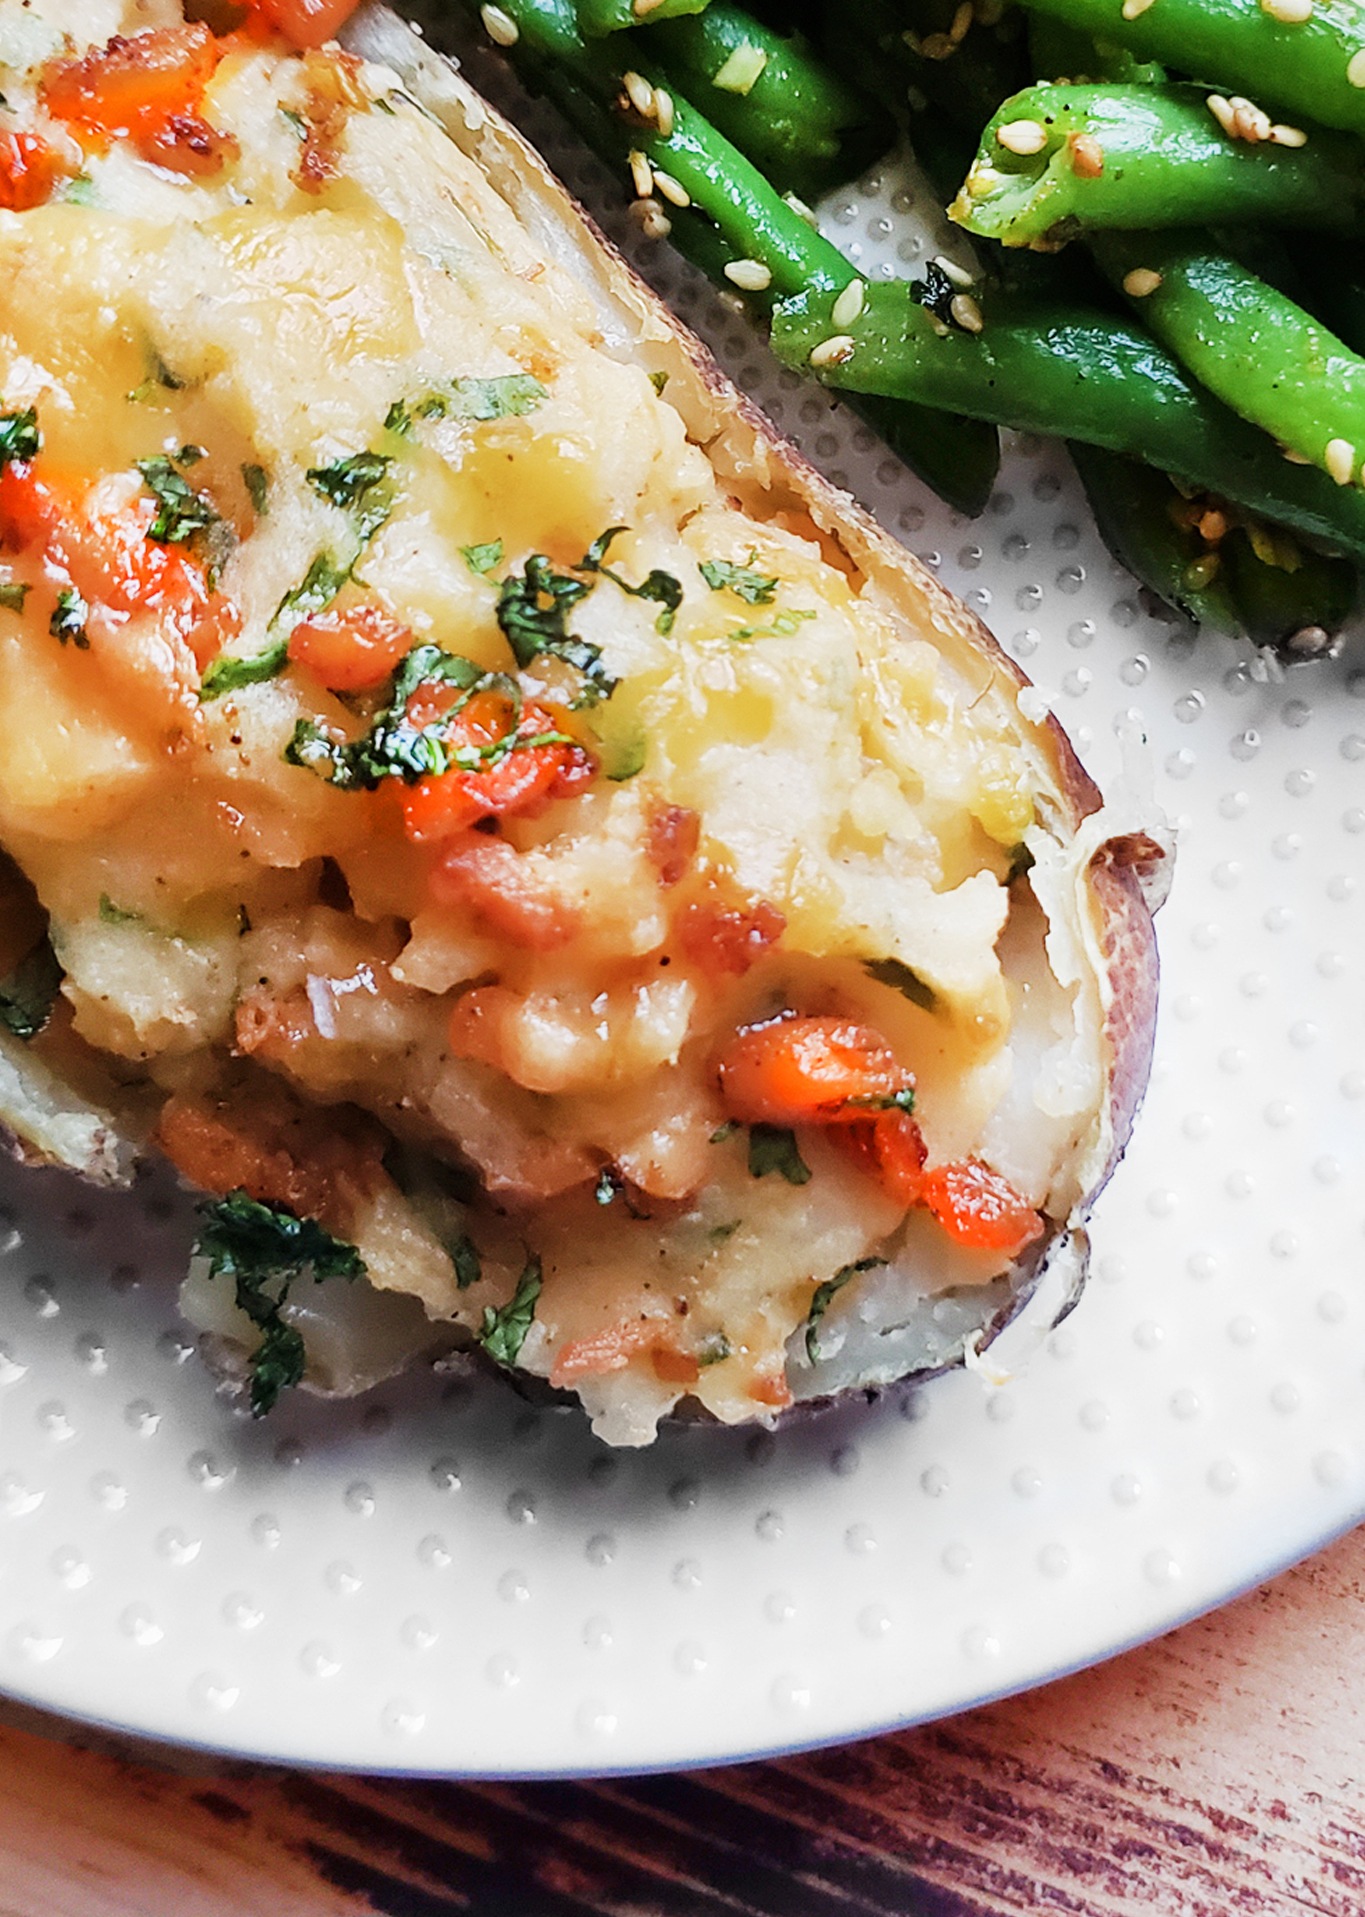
column 432, row 772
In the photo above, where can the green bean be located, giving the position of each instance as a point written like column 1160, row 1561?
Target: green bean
column 1259, row 351
column 805, row 129
column 1313, row 66
column 1061, row 160
column 1246, row 581
column 1061, row 369
column 727, row 214
column 600, row 17
column 962, row 60
column 1062, row 53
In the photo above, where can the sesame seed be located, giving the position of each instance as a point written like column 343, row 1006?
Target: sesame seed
column 1221, row 110
column 952, row 271
column 966, row 313
column 849, row 304
column 651, row 219
column 1087, row 156
column 500, row 27
column 672, row 189
column 1022, row 136
column 1311, row 642
column 937, row 46
column 641, row 174
column 1295, row 458
column 642, row 8
column 640, row 93
column 751, row 276
column 1249, row 123
column 1290, row 13
column 1339, row 457
column 800, row 209
column 962, row 20
column 838, row 350
column 1201, row 572
column 1355, row 72
column 664, row 113
column 1142, row 281
column 1288, row 136
column 1132, row 8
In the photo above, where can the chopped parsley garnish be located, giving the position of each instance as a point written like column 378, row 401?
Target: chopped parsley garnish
column 901, row 979
column 506, row 396
column 13, row 593
column 29, row 993
column 727, row 1130
column 754, row 588
column 714, row 1349
column 264, row 1249
column 532, row 610
column 316, row 590
column 608, row 1184
column 658, row 381
column 19, row 436
column 398, row 419
column 483, row 559
column 901, row 1101
column 68, row 619
column 824, row 1296
column 183, row 516
column 80, row 191
column 257, row 486
column 504, row 1330
column 659, row 586
column 772, row 1148
column 111, row 914
column 229, row 673
column 359, row 486
column 781, row 626
column 190, row 454
column 159, row 375
column 464, row 1255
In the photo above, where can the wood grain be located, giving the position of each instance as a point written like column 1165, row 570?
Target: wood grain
column 1217, row 1771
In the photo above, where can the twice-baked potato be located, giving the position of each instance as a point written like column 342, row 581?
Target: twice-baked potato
column 475, row 800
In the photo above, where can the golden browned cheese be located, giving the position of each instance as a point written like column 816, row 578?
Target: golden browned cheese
column 277, row 964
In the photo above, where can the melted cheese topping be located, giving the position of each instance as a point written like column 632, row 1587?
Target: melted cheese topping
column 231, row 923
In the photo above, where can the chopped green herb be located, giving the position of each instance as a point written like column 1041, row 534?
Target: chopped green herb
column 608, row 1185
column 398, row 419
column 485, row 558
column 13, row 593
column 190, row 455
column 183, row 516
column 258, row 487
column 658, row 381
column 80, row 191
column 782, row 626
column 19, row 436
column 772, row 1148
column 229, row 673
column 296, row 121
column 824, row 1296
column 1021, row 861
column 317, row 589
column 111, row 914
column 314, row 592
column 659, row 586
column 504, row 1330
column 754, row 588
column 464, row 1254
column 68, row 619
column 358, row 485
column 901, row 1101
column 507, row 396
column 719, row 1234
column 625, row 757
column 727, row 1130
column 532, row 610
column 159, row 377
column 714, row 1349
column 264, row 1249
column 901, row 979
column 29, row 993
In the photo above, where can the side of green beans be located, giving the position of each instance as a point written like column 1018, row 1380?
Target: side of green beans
column 1257, row 350
column 1065, row 370
column 1056, row 161
column 1313, row 66
column 800, row 125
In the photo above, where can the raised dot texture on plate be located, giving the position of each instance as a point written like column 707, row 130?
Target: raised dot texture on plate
column 763, row 1590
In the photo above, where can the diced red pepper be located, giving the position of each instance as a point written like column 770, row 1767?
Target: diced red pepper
column 351, row 648
column 305, row 23
column 134, row 84
column 808, row 1071
column 524, row 781
column 725, row 938
column 29, row 169
column 891, row 1147
column 980, row 1209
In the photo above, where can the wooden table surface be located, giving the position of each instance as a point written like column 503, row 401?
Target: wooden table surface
column 1215, row 1772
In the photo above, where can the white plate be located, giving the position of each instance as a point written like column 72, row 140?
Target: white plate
column 440, row 1578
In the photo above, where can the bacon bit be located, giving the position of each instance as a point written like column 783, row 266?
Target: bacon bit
column 316, row 1165
column 504, row 890
column 675, row 1367
column 613, row 1349
column 804, row 1071
column 980, row 1209
column 148, row 89
column 350, row 649
column 771, row 1388
column 29, row 169
column 891, row 1147
column 331, row 93
column 723, row 938
column 477, row 1021
column 522, row 783
column 671, row 842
